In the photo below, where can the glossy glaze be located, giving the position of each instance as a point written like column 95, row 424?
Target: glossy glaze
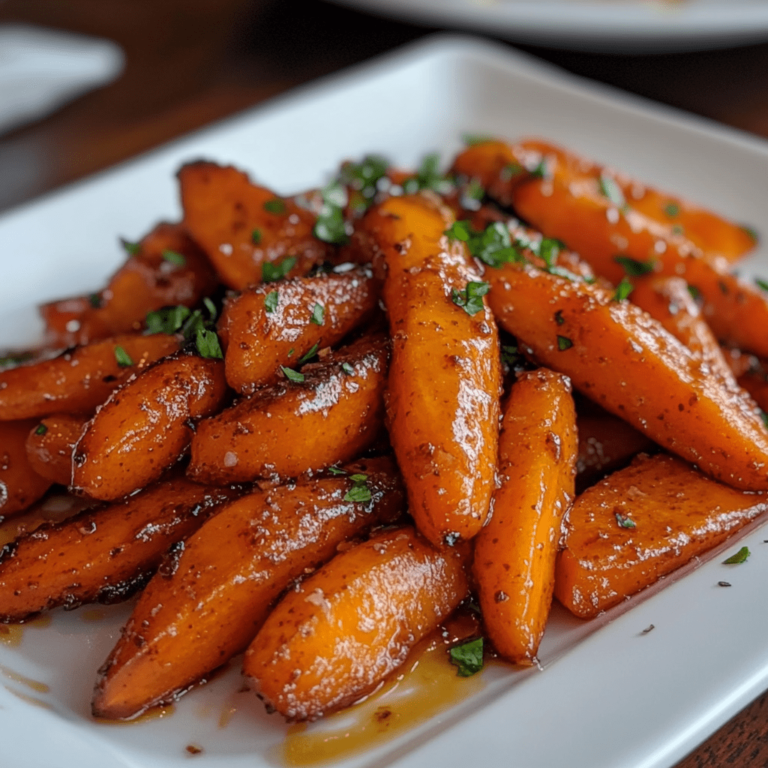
column 209, row 600
column 51, row 443
column 20, row 484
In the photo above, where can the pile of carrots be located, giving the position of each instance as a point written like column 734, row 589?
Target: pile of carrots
column 310, row 428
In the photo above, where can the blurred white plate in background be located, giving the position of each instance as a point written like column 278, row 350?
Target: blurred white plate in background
column 612, row 26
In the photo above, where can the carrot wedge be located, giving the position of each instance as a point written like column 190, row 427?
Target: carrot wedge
column 445, row 377
column 20, row 484
column 330, row 413
column 640, row 524
column 343, row 630
column 101, row 555
column 146, row 425
column 211, row 598
column 243, row 227
column 514, row 561
column 623, row 359
column 165, row 268
column 277, row 324
column 78, row 380
column 51, row 444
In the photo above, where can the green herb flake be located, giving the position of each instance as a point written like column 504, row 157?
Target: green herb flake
column 95, row 300
column 270, row 272
column 510, row 170
column 318, row 312
column 470, row 139
column 337, row 471
column 364, row 178
column 428, row 177
column 624, row 521
column 740, row 557
column 672, row 209
column 634, row 267
column 359, row 492
column 695, row 292
column 132, row 249
column 271, row 300
column 677, row 230
column 211, row 307
column 12, row 360
column 309, row 355
column 123, row 358
column 471, row 298
column 41, row 429
column 493, row 246
column 559, row 319
column 175, row 258
column 292, row 375
column 563, row 343
column 468, row 657
column 459, row 230
column 330, row 226
column 168, row 320
column 610, row 189
column 275, row 205
column 256, row 237
column 347, row 368
column 540, row 170
column 207, row 343
column 623, row 289
column 762, row 284
column 764, row 417
column 510, row 355
column 751, row 233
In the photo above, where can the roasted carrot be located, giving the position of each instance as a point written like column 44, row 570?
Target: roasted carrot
column 341, row 632
column 445, row 376
column 20, row 484
column 211, row 597
column 514, row 555
column 640, row 524
column 51, row 443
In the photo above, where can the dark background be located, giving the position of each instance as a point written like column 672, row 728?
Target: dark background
column 189, row 62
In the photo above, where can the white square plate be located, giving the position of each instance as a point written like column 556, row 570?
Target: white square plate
column 606, row 698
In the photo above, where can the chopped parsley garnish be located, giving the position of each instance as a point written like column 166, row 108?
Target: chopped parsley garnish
column 470, row 139
column 751, row 233
column 359, row 490
column 207, row 343
column 559, row 319
column 540, row 170
column 211, row 307
column 610, row 189
column 95, row 300
column 271, row 300
column 764, row 417
column 310, row 354
column 41, row 429
column 337, row 471
column 634, row 267
column 762, row 284
column 292, row 375
column 175, row 258
column 168, row 320
column 275, row 205
column 330, row 226
column 15, row 359
column 672, row 209
column 468, row 657
column 509, row 355
column 624, row 521
column 363, row 178
column 347, row 368
column 547, row 248
column 472, row 195
column 623, row 289
column 256, row 236
column 428, row 177
column 318, row 312
column 471, row 298
column 740, row 557
column 493, row 246
column 695, row 292
column 132, row 249
column 563, row 343
column 510, row 170
column 123, row 358
column 271, row 272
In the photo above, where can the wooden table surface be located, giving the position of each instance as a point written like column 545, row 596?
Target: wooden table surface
column 189, row 62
